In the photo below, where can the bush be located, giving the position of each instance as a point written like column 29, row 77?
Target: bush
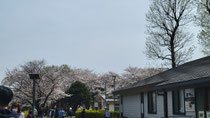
column 117, row 114
column 97, row 114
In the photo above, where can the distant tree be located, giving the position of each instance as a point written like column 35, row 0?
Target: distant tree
column 134, row 74
column 167, row 39
column 107, row 82
column 203, row 20
column 80, row 95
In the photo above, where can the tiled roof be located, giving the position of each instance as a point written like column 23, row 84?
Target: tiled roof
column 193, row 70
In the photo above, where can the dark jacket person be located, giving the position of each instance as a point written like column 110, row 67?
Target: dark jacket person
column 6, row 95
column 83, row 114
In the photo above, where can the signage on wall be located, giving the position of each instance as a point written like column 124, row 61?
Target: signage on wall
column 208, row 114
column 189, row 100
column 201, row 114
column 96, row 104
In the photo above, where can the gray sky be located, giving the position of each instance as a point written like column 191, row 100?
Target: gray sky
column 101, row 35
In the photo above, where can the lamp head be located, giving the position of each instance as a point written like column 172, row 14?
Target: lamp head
column 34, row 76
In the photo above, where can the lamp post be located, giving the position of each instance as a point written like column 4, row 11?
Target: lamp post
column 105, row 95
column 34, row 76
column 114, row 77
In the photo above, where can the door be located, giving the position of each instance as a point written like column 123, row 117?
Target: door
column 200, row 102
column 142, row 105
column 208, row 103
column 208, row 106
column 165, row 102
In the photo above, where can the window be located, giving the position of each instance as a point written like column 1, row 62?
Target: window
column 152, row 102
column 178, row 102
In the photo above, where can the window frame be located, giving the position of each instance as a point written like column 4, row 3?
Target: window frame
column 173, row 100
column 121, row 100
column 150, row 110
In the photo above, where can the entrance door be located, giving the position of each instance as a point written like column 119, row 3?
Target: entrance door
column 208, row 103
column 165, row 102
column 142, row 105
column 200, row 102
column 208, row 106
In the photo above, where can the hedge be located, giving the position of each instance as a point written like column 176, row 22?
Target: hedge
column 97, row 114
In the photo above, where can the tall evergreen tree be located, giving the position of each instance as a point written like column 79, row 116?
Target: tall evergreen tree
column 80, row 95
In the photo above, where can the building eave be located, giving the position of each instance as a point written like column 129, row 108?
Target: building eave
column 205, row 81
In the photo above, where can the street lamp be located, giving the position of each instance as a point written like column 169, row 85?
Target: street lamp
column 34, row 76
column 114, row 77
column 105, row 95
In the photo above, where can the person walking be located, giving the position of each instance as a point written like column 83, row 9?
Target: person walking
column 56, row 113
column 83, row 114
column 21, row 115
column 70, row 114
column 16, row 108
column 29, row 114
column 41, row 112
column 6, row 96
column 62, row 113
column 107, row 113
column 52, row 113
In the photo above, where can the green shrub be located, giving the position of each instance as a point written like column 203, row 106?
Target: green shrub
column 117, row 114
column 97, row 114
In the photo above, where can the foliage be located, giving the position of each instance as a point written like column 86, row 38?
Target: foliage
column 96, row 114
column 80, row 95
column 167, row 39
column 202, row 20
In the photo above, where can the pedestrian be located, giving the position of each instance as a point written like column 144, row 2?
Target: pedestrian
column 62, row 113
column 107, row 113
column 46, row 111
column 83, row 114
column 56, row 113
column 41, row 112
column 29, row 114
column 52, row 113
column 21, row 114
column 16, row 108
column 6, row 96
column 70, row 112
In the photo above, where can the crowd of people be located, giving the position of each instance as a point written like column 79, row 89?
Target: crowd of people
column 14, row 111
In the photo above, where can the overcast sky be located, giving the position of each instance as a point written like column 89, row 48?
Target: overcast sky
column 101, row 35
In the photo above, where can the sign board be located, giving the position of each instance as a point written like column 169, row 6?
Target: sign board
column 201, row 114
column 96, row 104
column 208, row 114
column 189, row 100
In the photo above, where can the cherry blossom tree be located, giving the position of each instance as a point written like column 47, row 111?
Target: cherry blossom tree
column 134, row 74
column 48, row 88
